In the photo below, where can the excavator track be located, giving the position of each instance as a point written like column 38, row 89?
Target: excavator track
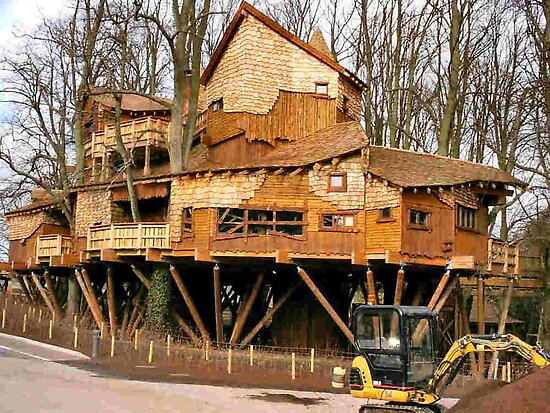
column 397, row 408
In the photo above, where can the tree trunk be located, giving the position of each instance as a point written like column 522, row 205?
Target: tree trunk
column 544, row 326
column 73, row 295
column 159, row 303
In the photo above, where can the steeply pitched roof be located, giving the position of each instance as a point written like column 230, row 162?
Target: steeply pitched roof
column 40, row 205
column 318, row 42
column 409, row 169
column 249, row 9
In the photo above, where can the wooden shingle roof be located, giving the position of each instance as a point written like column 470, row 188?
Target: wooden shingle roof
column 410, row 169
column 130, row 102
column 245, row 9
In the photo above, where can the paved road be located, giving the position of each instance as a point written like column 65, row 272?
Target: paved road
column 34, row 379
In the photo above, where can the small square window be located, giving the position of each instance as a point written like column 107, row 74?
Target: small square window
column 217, row 105
column 321, row 88
column 337, row 183
column 385, row 213
column 418, row 218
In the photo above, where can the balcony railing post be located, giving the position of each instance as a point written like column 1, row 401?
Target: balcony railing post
column 112, row 236
column 89, row 240
column 139, row 229
column 58, row 245
column 516, row 260
column 490, row 255
column 167, row 236
column 505, row 267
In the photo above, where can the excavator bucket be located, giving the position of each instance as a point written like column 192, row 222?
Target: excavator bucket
column 398, row 408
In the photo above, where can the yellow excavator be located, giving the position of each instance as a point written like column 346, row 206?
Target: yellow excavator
column 396, row 361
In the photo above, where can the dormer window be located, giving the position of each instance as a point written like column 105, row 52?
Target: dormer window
column 337, row 182
column 217, row 105
column 321, row 88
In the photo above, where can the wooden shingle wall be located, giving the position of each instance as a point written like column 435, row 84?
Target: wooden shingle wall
column 92, row 206
column 353, row 197
column 353, row 93
column 257, row 64
column 382, row 235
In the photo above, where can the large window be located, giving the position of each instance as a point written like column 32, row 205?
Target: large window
column 257, row 222
column 466, row 217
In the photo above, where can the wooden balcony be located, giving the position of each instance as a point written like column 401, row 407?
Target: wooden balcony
column 53, row 246
column 144, row 131
column 132, row 236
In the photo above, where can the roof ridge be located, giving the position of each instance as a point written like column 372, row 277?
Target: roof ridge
column 435, row 155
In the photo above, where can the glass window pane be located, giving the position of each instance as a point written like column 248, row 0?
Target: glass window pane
column 336, row 181
column 348, row 220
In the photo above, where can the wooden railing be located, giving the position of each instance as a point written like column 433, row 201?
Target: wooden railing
column 140, row 131
column 507, row 258
column 132, row 236
column 53, row 245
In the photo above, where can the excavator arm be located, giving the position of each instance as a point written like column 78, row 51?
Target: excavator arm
column 448, row 367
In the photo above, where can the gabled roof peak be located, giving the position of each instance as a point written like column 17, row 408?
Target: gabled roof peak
column 318, row 42
column 247, row 9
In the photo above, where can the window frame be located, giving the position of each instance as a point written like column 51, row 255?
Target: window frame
column 343, row 188
column 344, row 228
column 467, row 210
column 273, row 223
column 413, row 225
column 321, row 84
column 187, row 222
column 382, row 218
column 217, row 105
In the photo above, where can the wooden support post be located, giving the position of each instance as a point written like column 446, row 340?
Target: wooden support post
column 189, row 302
column 26, row 288
column 397, row 299
column 185, row 327
column 229, row 357
column 125, row 318
column 293, row 366
column 91, row 293
column 52, row 295
column 137, row 304
column 481, row 319
column 150, row 358
column 147, row 166
column 269, row 315
column 502, row 323
column 97, row 317
column 43, row 293
column 242, row 317
column 111, row 302
column 466, row 326
column 439, row 290
column 145, row 281
column 373, row 297
column 218, row 304
column 323, row 301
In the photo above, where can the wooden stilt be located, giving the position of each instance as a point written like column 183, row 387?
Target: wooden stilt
column 136, row 302
column 269, row 315
column 146, row 282
column 323, row 301
column 466, row 326
column 242, row 317
column 189, row 302
column 397, row 299
column 93, row 298
column 147, row 166
column 188, row 330
column 481, row 320
column 502, row 322
column 43, row 294
column 26, row 288
column 439, row 290
column 418, row 295
column 218, row 304
column 373, row 298
column 179, row 320
column 97, row 317
column 111, row 301
column 52, row 294
column 125, row 318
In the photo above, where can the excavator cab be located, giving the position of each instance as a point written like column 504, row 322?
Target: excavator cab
column 397, row 343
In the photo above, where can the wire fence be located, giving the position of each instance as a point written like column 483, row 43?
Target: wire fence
column 176, row 356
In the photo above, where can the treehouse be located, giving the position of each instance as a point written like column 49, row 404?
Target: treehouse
column 285, row 215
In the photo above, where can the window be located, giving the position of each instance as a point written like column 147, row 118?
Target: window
column 466, row 217
column 418, row 218
column 338, row 182
column 187, row 222
column 321, row 88
column 337, row 221
column 257, row 222
column 385, row 214
column 217, row 105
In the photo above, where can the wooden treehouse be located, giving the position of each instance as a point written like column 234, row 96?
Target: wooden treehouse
column 285, row 216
